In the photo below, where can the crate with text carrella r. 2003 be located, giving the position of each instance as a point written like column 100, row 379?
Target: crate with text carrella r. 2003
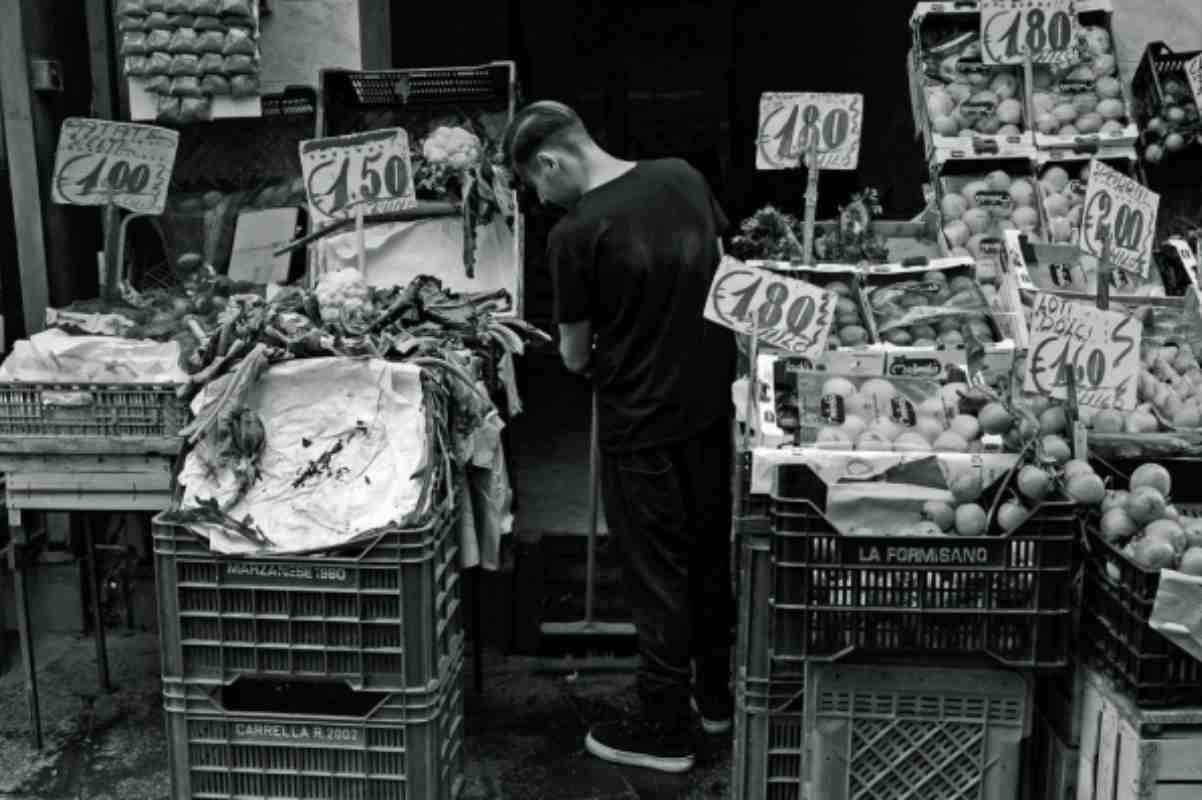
column 294, row 739
column 1006, row 596
column 379, row 615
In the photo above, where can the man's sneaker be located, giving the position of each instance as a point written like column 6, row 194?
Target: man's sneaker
column 641, row 743
column 716, row 712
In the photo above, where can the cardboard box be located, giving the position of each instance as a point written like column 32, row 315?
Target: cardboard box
column 1065, row 270
column 954, row 177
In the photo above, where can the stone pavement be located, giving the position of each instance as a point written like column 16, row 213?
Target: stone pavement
column 524, row 733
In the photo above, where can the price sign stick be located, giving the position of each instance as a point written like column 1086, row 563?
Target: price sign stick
column 811, row 197
column 112, row 259
column 360, row 241
column 1105, row 269
column 753, row 387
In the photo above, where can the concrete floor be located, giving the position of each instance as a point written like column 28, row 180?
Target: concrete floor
column 524, row 733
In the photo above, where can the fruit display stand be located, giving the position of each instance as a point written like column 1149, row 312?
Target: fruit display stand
column 963, row 107
column 1131, row 753
column 1086, row 105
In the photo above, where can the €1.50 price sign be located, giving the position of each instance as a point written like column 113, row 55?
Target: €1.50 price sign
column 369, row 170
column 99, row 161
column 1013, row 29
column 1121, row 211
column 789, row 121
column 789, row 314
column 1099, row 348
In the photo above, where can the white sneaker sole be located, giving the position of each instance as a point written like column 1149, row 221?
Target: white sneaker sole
column 661, row 763
column 712, row 726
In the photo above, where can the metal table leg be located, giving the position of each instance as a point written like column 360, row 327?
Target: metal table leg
column 102, row 661
column 17, row 558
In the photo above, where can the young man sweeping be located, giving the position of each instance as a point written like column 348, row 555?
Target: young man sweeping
column 631, row 264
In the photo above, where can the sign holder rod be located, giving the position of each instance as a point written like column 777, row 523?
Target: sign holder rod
column 811, row 197
column 112, row 247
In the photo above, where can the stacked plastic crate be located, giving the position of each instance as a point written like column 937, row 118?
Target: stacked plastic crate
column 335, row 675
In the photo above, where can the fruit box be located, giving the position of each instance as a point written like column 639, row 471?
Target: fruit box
column 1089, row 106
column 1063, row 181
column 1003, row 188
column 776, row 390
column 963, row 107
column 1064, row 270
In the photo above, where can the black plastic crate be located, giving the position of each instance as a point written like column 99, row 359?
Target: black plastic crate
column 1005, row 596
column 1158, row 66
column 259, row 739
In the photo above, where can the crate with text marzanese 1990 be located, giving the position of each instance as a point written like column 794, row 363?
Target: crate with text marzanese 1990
column 383, row 614
column 259, row 738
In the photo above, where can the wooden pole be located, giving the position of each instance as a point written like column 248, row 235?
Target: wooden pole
column 360, row 241
column 113, row 259
column 811, row 198
column 23, row 169
column 1105, row 269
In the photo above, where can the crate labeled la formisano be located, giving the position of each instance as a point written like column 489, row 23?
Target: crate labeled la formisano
column 964, row 108
column 914, row 733
column 1138, row 536
column 919, row 591
column 381, row 615
column 258, row 738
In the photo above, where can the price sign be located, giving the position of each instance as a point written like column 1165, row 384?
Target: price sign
column 1122, row 210
column 790, row 120
column 790, row 314
column 369, row 170
column 98, row 161
column 1013, row 29
column 1193, row 71
column 1100, row 348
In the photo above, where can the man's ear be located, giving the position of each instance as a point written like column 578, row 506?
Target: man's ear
column 545, row 160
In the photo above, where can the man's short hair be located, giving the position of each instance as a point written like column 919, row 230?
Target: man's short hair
column 542, row 124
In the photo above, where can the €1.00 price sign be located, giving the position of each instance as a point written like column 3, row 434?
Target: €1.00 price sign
column 1013, row 29
column 789, row 121
column 1121, row 211
column 1099, row 348
column 369, row 170
column 789, row 314
column 98, row 162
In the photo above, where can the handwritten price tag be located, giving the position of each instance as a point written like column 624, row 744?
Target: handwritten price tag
column 98, row 160
column 791, row 315
column 1101, row 348
column 1122, row 210
column 370, row 170
column 790, row 120
column 1193, row 71
column 1044, row 29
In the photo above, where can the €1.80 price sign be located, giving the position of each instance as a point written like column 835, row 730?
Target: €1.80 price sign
column 791, row 315
column 1013, row 29
column 1100, row 348
column 1122, row 211
column 369, row 170
column 789, row 121
column 99, row 161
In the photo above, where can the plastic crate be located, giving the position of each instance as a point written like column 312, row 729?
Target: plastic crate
column 384, row 615
column 126, row 411
column 915, row 733
column 769, row 745
column 311, row 741
column 1158, row 66
column 1005, row 596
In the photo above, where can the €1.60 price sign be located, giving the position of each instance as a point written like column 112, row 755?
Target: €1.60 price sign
column 789, row 121
column 1013, row 29
column 1121, row 211
column 1099, row 348
column 99, row 161
column 791, row 315
column 369, row 170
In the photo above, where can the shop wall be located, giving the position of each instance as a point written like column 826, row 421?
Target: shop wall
column 301, row 37
column 10, row 290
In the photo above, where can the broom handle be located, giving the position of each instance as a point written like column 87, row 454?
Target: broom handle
column 594, row 487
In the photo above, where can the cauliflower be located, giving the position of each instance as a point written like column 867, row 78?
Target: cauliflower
column 456, row 147
column 341, row 289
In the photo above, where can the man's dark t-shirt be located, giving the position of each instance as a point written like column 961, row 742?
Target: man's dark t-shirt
column 636, row 257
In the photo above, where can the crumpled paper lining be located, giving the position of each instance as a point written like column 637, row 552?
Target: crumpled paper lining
column 54, row 355
column 1177, row 613
column 369, row 484
column 882, row 492
column 397, row 252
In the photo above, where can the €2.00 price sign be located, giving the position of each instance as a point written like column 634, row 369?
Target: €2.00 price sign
column 99, row 161
column 1121, row 211
column 369, row 170
column 1013, row 29
column 789, row 314
column 789, row 121
column 1099, row 348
